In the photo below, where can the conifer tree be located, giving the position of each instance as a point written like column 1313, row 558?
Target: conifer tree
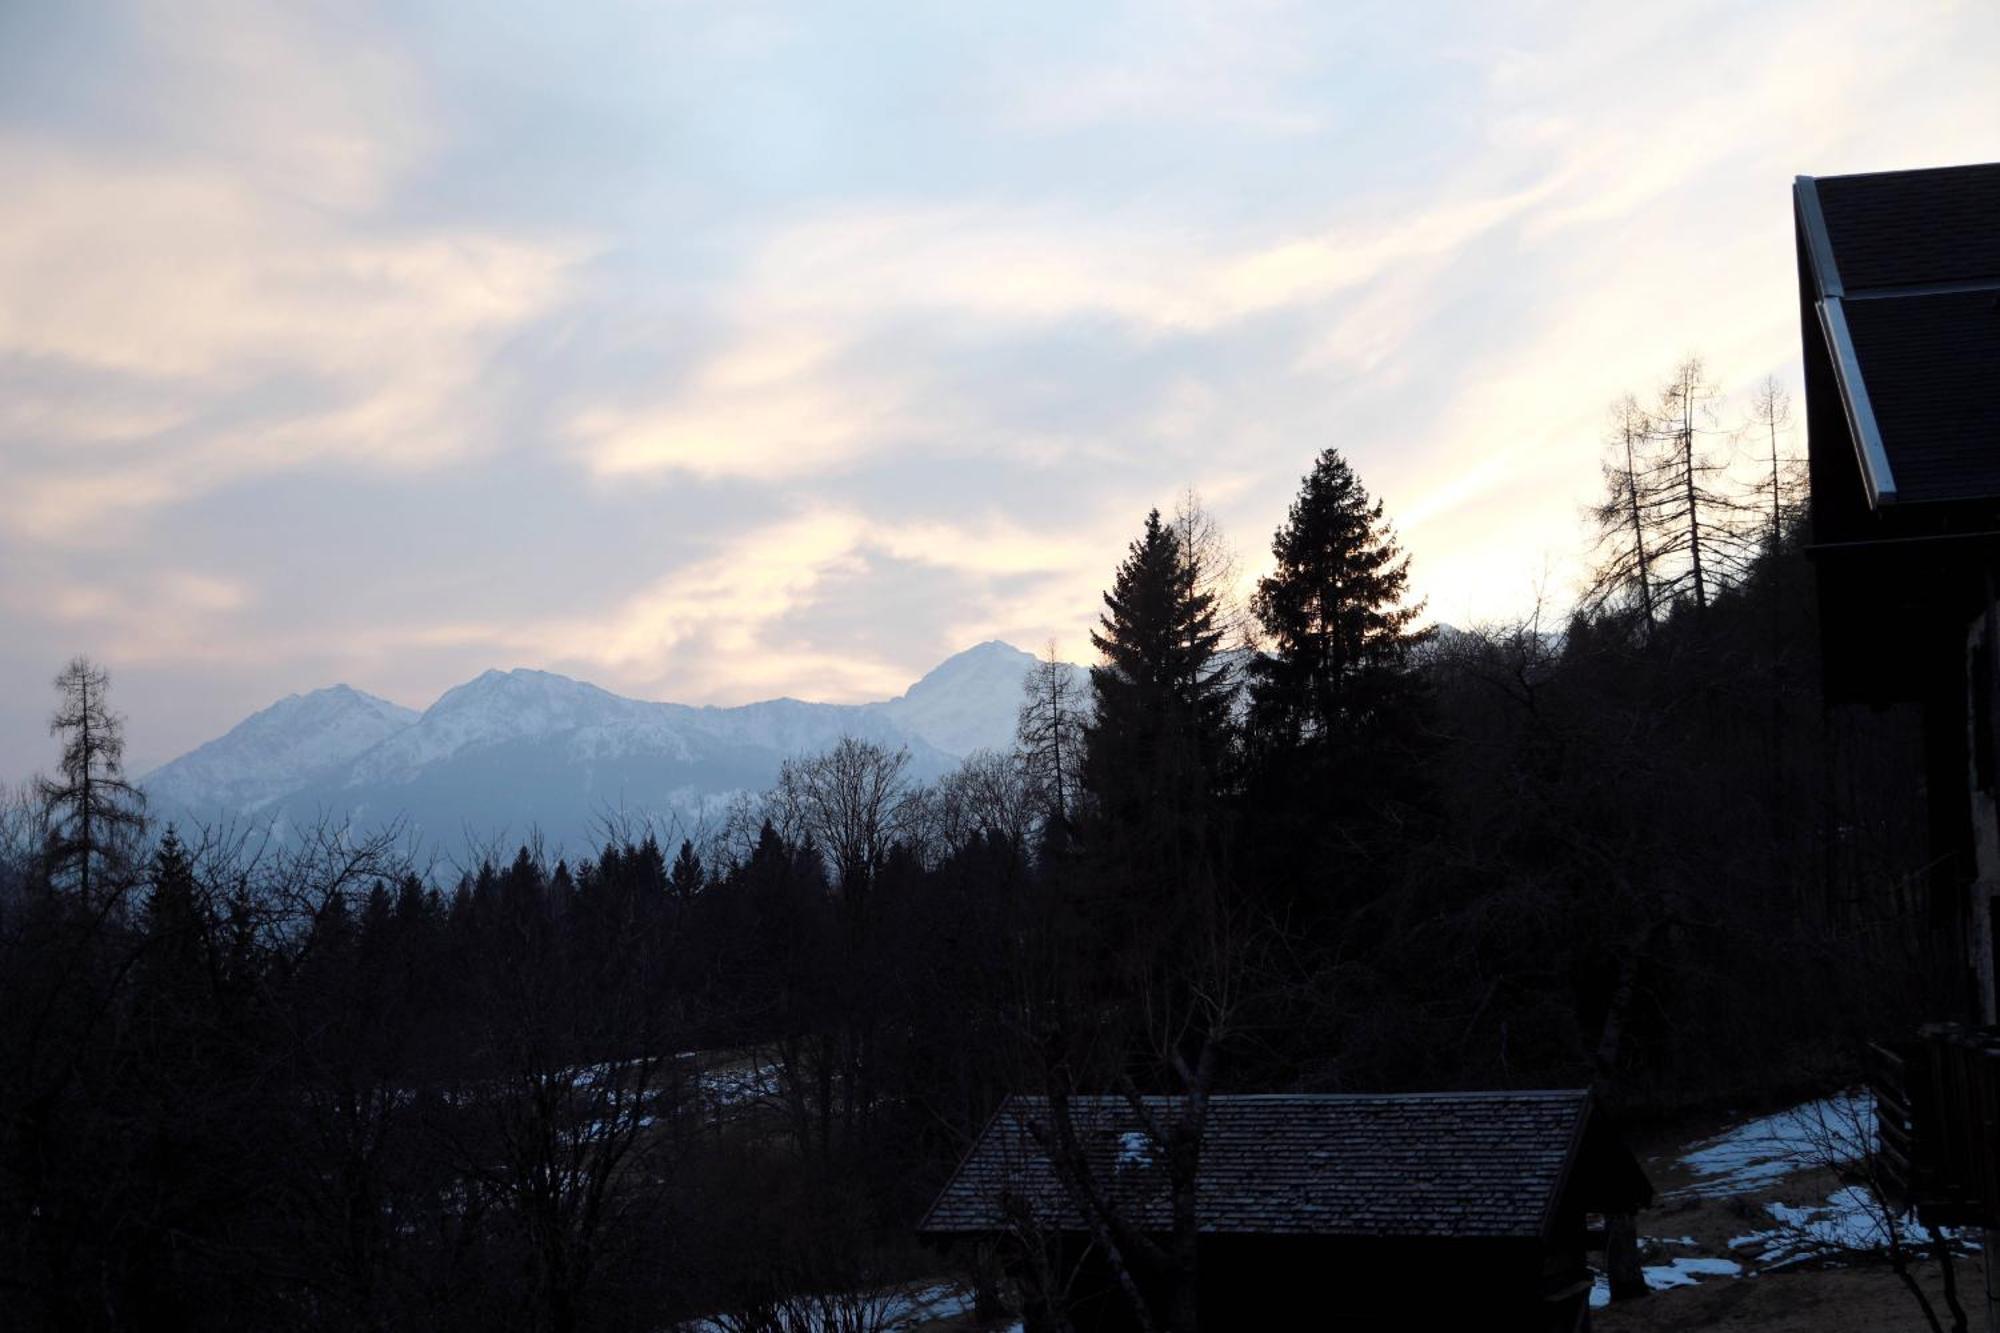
column 686, row 878
column 1336, row 703
column 1336, row 619
column 175, row 966
column 93, row 814
column 1156, row 748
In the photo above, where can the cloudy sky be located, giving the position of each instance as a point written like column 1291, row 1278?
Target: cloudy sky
column 718, row 351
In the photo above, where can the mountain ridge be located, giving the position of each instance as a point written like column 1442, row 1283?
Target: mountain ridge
column 524, row 748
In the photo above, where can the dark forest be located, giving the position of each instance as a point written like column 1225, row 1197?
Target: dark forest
column 1309, row 843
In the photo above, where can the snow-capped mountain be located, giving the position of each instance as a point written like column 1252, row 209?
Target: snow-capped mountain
column 512, row 751
column 296, row 741
column 969, row 701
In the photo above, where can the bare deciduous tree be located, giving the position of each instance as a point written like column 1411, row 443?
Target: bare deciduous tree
column 853, row 802
column 988, row 795
column 1049, row 732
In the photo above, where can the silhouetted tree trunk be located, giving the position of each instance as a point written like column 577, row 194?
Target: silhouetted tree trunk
column 1621, row 1257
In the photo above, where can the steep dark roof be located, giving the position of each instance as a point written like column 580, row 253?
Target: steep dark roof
column 1907, row 228
column 1932, row 365
column 1902, row 270
column 1477, row 1164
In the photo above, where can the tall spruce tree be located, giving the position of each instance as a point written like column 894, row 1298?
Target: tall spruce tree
column 1336, row 705
column 175, row 923
column 1338, row 625
column 687, row 878
column 1156, row 750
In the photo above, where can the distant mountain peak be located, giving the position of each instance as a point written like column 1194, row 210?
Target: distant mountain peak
column 518, row 684
column 970, row 700
column 520, row 747
column 992, row 658
column 279, row 748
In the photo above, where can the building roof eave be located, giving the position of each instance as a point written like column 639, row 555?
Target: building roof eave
column 1878, row 479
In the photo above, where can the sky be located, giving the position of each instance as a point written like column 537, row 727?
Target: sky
column 712, row 352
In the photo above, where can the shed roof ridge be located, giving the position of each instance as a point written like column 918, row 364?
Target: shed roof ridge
column 1498, row 1094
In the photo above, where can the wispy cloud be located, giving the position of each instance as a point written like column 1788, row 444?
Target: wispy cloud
column 754, row 349
column 721, row 629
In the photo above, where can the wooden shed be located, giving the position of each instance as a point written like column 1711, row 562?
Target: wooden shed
column 1467, row 1206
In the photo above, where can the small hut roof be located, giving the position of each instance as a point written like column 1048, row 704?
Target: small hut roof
column 1462, row 1164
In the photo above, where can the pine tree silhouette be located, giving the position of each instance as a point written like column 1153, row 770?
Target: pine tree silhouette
column 1335, row 616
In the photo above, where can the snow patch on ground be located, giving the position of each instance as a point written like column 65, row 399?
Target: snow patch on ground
column 896, row 1311
column 731, row 1087
column 1683, row 1271
column 1831, row 1131
column 1757, row 1156
column 1688, row 1269
column 1848, row 1222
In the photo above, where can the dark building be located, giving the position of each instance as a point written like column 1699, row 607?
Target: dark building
column 1451, row 1207
column 1899, row 305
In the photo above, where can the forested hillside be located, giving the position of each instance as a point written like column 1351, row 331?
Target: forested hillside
column 1300, row 844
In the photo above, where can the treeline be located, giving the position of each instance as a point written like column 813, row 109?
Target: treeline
column 1302, row 843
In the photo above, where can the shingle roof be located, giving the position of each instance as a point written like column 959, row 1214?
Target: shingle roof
column 1481, row 1164
column 1905, row 228
column 1905, row 272
column 1932, row 365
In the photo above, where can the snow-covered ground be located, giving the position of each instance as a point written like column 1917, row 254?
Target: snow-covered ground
column 1846, row 1222
column 1760, row 1152
column 892, row 1310
column 1792, row 1155
column 740, row 1083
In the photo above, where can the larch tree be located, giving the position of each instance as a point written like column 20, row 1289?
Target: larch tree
column 1049, row 733
column 94, row 816
column 1782, row 481
column 1698, row 522
column 1212, row 567
column 1626, row 549
column 1673, row 527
